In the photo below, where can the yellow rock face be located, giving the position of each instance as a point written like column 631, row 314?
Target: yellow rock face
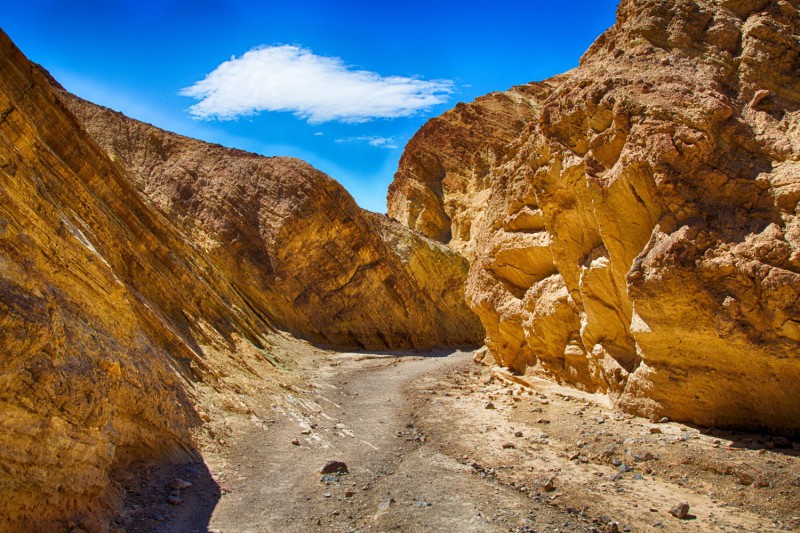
column 294, row 242
column 641, row 235
column 101, row 312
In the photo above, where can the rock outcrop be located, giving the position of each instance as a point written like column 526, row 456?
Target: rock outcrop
column 300, row 249
column 108, row 316
column 443, row 180
column 641, row 236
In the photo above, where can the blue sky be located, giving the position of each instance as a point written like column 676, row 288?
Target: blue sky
column 343, row 85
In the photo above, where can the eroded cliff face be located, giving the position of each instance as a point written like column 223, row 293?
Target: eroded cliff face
column 641, row 236
column 443, row 180
column 296, row 242
column 108, row 318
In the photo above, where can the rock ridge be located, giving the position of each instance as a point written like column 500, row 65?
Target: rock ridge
column 300, row 248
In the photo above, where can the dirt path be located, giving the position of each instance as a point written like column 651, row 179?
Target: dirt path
column 362, row 414
column 426, row 454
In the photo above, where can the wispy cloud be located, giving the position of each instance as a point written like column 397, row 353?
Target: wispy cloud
column 315, row 88
column 372, row 140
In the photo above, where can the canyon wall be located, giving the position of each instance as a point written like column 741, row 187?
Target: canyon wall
column 311, row 261
column 640, row 235
column 108, row 316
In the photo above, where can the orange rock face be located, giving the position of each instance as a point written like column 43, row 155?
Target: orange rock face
column 641, row 237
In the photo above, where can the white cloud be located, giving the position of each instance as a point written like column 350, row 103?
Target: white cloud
column 318, row 134
column 315, row 88
column 372, row 140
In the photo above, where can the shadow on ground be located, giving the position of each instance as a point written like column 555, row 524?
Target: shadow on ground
column 158, row 499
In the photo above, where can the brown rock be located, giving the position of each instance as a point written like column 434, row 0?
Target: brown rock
column 104, row 308
column 680, row 511
column 639, row 235
column 334, row 467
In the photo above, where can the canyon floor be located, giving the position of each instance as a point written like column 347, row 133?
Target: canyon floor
column 436, row 442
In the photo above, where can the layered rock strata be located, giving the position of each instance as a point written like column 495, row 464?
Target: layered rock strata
column 107, row 316
column 641, row 235
column 310, row 260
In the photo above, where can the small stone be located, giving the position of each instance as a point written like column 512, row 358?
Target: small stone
column 680, row 511
column 518, row 434
column 179, row 484
column 663, row 420
column 655, row 430
column 549, row 485
column 489, row 405
column 306, row 432
column 422, row 504
column 296, row 442
column 349, row 494
column 624, row 468
column 646, row 456
column 327, row 495
column 385, row 504
column 174, row 500
column 507, row 445
column 334, row 467
column 329, row 479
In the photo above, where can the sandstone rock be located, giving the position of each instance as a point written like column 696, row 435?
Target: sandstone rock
column 640, row 235
column 104, row 310
column 300, row 250
column 443, row 178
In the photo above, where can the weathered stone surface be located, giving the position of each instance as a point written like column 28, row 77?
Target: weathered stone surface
column 443, row 179
column 295, row 241
column 105, row 313
column 663, row 177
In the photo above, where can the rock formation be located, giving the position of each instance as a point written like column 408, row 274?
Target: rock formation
column 640, row 236
column 443, row 181
column 107, row 316
column 300, row 249
column 139, row 289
